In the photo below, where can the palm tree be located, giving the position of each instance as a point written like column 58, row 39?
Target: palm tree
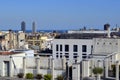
column 98, row 71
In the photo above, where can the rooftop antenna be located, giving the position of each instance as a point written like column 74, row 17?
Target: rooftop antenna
column 116, row 25
column 117, row 28
column 84, row 28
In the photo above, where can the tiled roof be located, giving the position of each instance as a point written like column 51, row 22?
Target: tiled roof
column 6, row 53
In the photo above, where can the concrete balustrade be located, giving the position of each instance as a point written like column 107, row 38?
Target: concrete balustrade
column 38, row 64
column 76, row 71
column 24, row 65
column 85, row 68
column 63, row 63
column 11, row 69
column 52, row 72
column 117, row 70
column 106, row 68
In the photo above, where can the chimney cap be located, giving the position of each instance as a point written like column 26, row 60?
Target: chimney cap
column 107, row 24
column 10, row 29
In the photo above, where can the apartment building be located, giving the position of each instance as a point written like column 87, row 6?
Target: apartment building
column 39, row 41
column 11, row 40
column 107, row 48
column 85, row 43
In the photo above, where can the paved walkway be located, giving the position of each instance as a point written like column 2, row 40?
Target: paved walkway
column 8, row 78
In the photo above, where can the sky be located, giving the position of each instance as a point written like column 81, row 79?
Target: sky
column 59, row 14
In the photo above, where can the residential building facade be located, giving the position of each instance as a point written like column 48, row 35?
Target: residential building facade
column 72, row 49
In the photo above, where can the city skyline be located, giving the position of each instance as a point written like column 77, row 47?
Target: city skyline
column 59, row 15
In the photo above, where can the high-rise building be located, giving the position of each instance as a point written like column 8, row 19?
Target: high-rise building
column 23, row 26
column 33, row 27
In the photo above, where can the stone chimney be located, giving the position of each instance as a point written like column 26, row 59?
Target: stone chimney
column 107, row 28
column 108, row 32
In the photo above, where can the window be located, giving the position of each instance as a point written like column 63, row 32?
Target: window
column 66, row 47
column 66, row 53
column 56, row 53
column 57, row 47
column 56, row 56
column 67, row 56
column 91, row 49
column 21, row 40
column 75, row 48
column 60, row 56
column 75, row 54
column 84, row 55
column 60, row 47
column 84, row 48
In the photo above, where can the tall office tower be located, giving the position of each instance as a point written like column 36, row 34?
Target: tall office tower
column 33, row 27
column 23, row 26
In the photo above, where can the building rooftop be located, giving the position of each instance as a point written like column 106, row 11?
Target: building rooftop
column 86, row 35
column 8, row 53
column 80, row 36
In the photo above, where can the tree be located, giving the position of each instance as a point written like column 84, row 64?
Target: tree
column 98, row 71
column 29, row 76
column 48, row 77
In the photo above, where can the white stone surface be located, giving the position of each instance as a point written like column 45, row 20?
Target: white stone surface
column 71, row 42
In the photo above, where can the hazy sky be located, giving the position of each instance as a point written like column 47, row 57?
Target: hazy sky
column 59, row 14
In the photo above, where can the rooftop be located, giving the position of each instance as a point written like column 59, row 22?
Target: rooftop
column 8, row 53
column 80, row 36
column 86, row 35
